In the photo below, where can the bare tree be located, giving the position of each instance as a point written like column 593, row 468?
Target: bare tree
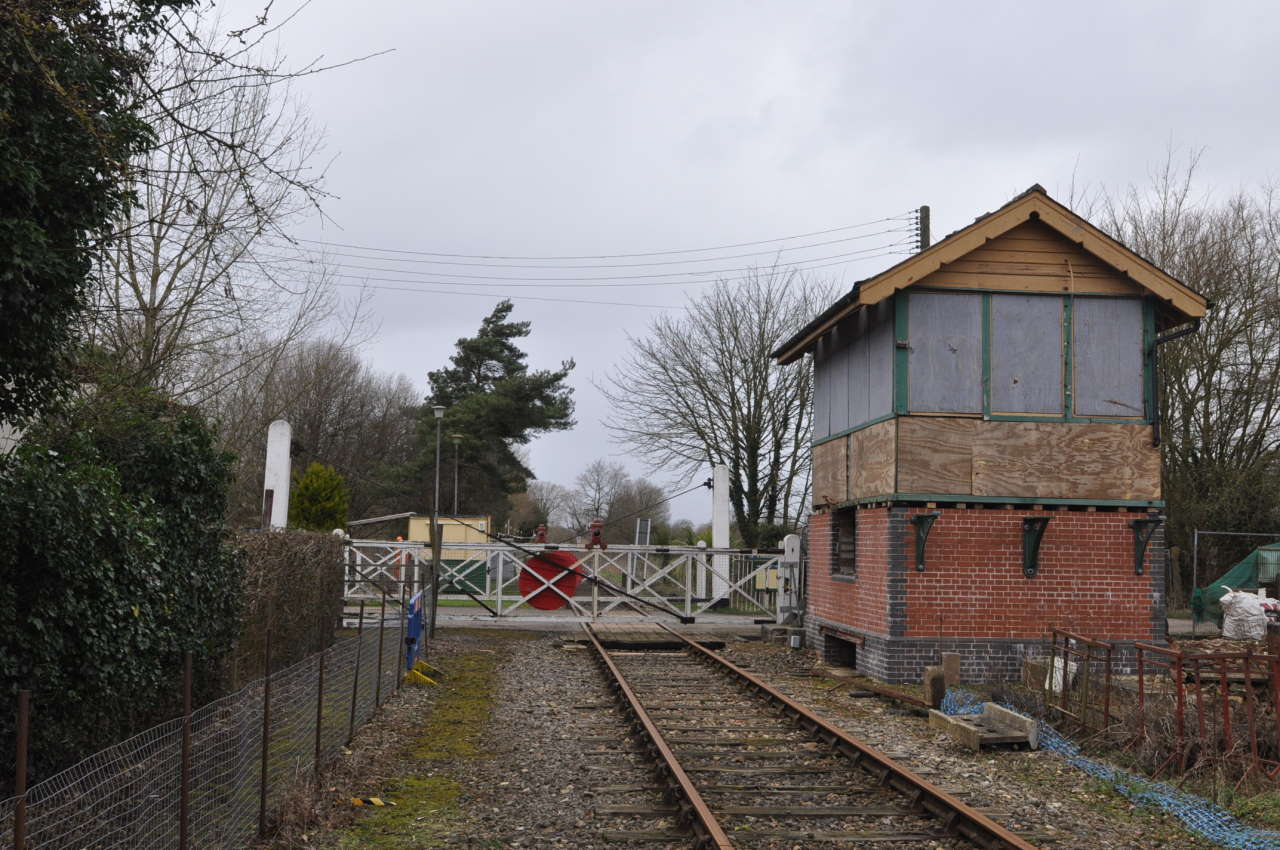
column 638, row 499
column 1220, row 387
column 594, row 492
column 701, row 389
column 200, row 284
column 343, row 414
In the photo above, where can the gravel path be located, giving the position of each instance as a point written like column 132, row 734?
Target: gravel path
column 548, row 755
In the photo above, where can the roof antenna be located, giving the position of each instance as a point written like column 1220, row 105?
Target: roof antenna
column 922, row 228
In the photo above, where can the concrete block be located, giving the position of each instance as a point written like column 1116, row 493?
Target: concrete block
column 951, row 667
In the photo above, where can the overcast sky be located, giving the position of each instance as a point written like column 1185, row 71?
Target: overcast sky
column 589, row 128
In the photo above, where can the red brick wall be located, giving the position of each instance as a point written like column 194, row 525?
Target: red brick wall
column 864, row 603
column 973, row 584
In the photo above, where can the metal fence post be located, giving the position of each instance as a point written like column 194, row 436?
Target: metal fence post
column 266, row 732
column 20, row 772
column 355, row 679
column 400, row 644
column 319, row 710
column 382, row 628
column 184, row 789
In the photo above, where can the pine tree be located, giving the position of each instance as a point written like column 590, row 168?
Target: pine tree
column 494, row 403
column 319, row 499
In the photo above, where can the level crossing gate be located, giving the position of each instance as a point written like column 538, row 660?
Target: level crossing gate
column 682, row 581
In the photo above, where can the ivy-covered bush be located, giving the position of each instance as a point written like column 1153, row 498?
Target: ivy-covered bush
column 112, row 564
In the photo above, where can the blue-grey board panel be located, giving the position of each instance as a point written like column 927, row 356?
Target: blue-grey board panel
column 821, row 391
column 858, row 370
column 1026, row 354
column 1106, row 349
column 944, row 366
column 880, row 361
column 841, row 338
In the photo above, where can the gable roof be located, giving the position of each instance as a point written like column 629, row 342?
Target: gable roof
column 1032, row 205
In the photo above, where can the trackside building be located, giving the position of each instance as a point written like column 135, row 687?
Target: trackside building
column 986, row 460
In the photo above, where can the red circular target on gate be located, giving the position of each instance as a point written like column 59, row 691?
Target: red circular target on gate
column 548, row 565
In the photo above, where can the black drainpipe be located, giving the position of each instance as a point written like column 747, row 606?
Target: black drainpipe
column 1155, row 374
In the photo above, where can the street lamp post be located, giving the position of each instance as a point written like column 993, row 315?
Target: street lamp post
column 438, row 410
column 456, row 438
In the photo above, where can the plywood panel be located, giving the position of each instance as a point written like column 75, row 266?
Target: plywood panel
column 880, row 361
column 935, row 455
column 945, row 363
column 872, row 459
column 1065, row 460
column 831, row 472
column 1026, row 353
column 1107, row 357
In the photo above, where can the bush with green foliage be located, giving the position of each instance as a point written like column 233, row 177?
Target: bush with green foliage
column 69, row 123
column 112, row 564
column 319, row 499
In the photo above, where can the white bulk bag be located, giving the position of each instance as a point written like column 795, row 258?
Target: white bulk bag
column 1243, row 617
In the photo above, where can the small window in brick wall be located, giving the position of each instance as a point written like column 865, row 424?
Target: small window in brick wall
column 844, row 542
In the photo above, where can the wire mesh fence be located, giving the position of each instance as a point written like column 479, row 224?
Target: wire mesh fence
column 131, row 794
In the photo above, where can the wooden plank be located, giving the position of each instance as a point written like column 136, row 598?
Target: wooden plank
column 830, row 472
column 935, row 454
column 1065, row 460
column 872, row 460
column 946, row 279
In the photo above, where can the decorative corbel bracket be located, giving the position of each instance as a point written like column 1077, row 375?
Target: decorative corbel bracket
column 1143, row 529
column 1032, row 533
column 923, row 523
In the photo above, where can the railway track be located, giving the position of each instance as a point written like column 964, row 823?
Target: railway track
column 740, row 765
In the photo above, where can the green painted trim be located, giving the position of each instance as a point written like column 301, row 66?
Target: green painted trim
column 1068, row 337
column 1000, row 500
column 901, row 339
column 1148, row 358
column 986, row 355
column 1003, row 417
column 847, row 431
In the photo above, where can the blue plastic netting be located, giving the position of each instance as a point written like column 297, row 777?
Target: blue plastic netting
column 1200, row 816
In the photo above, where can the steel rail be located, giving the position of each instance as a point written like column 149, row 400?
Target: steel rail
column 956, row 815
column 693, row 809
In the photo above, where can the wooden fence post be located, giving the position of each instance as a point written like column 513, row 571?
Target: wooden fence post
column 20, row 771
column 184, row 789
column 266, row 733
column 355, row 678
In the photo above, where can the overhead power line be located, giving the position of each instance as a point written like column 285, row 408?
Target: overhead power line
column 910, row 229
column 418, row 291
column 907, row 216
column 441, row 277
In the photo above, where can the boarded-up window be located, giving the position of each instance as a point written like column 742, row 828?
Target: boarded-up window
column 1106, row 349
column 821, row 391
column 945, row 363
column 880, row 361
column 1026, row 354
column 838, row 376
column 858, row 370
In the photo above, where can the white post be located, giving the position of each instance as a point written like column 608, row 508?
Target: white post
column 720, row 531
column 275, row 481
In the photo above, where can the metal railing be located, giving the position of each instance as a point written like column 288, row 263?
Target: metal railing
column 683, row 581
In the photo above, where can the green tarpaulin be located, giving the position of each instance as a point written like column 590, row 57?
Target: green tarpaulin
column 1259, row 567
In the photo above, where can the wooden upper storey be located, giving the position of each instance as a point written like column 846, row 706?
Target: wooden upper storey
column 1031, row 244
column 1015, row 359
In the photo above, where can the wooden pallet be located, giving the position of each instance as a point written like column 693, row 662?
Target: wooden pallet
column 994, row 726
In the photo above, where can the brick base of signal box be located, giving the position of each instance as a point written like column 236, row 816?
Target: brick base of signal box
column 890, row 620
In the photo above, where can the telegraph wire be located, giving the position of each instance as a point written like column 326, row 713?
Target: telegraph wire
column 419, row 291
column 905, row 217
column 589, row 278
column 911, row 229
